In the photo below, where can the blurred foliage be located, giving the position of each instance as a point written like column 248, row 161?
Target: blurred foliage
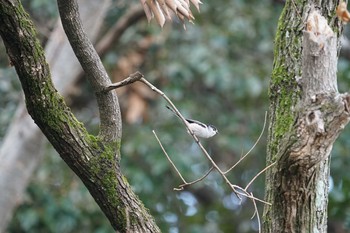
column 216, row 71
column 58, row 203
column 9, row 89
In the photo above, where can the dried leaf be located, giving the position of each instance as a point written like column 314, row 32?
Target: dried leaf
column 342, row 13
column 183, row 11
column 196, row 4
column 147, row 10
column 157, row 12
column 172, row 5
column 165, row 9
column 160, row 10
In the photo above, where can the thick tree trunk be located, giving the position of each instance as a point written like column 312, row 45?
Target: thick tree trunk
column 94, row 159
column 306, row 115
column 24, row 144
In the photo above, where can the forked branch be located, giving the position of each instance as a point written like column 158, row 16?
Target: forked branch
column 110, row 129
column 239, row 191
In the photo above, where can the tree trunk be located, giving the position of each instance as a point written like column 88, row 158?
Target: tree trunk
column 306, row 116
column 94, row 159
column 23, row 146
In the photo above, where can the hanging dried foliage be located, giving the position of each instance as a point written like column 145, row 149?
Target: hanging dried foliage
column 162, row 10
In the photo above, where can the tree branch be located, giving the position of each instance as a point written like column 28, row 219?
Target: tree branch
column 108, row 105
column 185, row 183
column 239, row 191
column 137, row 76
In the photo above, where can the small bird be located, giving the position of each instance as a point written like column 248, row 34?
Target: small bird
column 198, row 128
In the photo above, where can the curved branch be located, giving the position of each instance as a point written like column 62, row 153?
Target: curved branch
column 110, row 128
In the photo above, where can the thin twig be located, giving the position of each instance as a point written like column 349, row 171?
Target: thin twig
column 262, row 132
column 256, row 212
column 170, row 161
column 185, row 183
column 242, row 191
column 262, row 171
column 217, row 168
column 153, row 88
column 181, row 187
column 246, row 194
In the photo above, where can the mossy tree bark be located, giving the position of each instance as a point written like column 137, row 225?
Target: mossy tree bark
column 306, row 115
column 23, row 147
column 94, row 159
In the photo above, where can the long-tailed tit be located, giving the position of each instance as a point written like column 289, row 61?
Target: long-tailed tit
column 198, row 128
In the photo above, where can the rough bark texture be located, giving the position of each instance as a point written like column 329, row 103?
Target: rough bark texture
column 110, row 126
column 23, row 146
column 306, row 115
column 94, row 159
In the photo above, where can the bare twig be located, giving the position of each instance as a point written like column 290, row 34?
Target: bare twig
column 139, row 77
column 239, row 191
column 262, row 132
column 170, row 161
column 185, row 183
column 181, row 187
column 246, row 194
column 262, row 171
column 153, row 88
column 256, row 212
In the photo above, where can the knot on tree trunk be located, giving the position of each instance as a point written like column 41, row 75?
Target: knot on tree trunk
column 320, row 120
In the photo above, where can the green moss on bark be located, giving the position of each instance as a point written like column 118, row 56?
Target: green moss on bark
column 285, row 94
column 103, row 165
column 284, row 91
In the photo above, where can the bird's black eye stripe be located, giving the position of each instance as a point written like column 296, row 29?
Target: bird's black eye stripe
column 213, row 127
column 196, row 122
